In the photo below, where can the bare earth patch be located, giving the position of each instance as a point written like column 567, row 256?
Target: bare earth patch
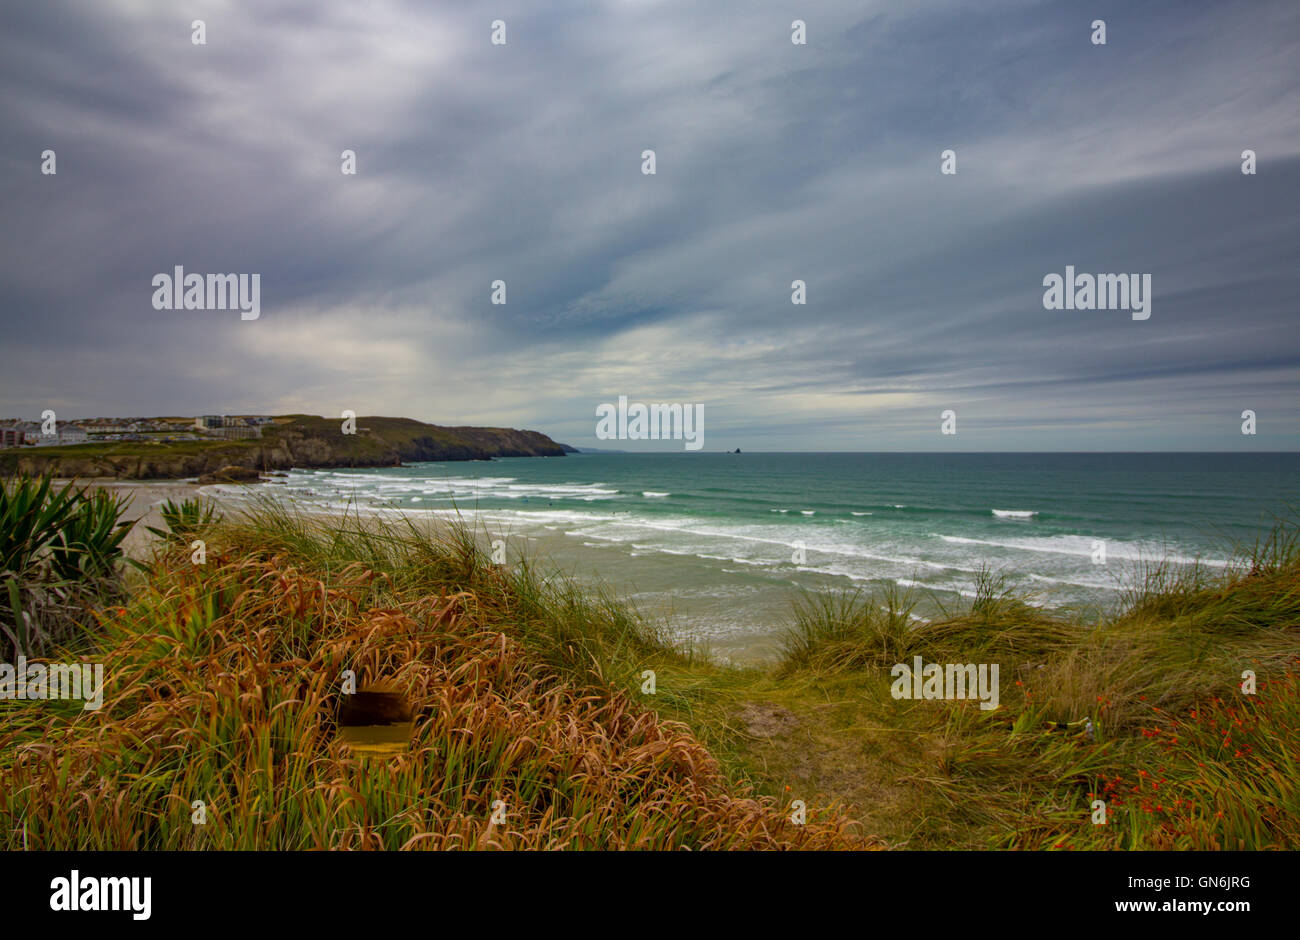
column 767, row 720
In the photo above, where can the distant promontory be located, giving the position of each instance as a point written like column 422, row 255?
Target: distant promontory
column 281, row 443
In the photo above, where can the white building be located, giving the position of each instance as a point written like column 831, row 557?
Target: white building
column 237, row 433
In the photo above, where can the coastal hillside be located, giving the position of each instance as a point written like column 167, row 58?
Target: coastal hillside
column 290, row 441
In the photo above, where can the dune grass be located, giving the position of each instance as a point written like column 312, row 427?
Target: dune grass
column 1143, row 709
column 224, row 694
column 225, row 686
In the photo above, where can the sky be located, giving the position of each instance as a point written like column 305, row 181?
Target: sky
column 774, row 162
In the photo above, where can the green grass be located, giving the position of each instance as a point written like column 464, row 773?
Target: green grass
column 60, row 551
column 10, row 456
column 378, row 441
column 937, row 774
column 224, row 680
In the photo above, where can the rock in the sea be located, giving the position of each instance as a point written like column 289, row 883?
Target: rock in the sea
column 231, row 474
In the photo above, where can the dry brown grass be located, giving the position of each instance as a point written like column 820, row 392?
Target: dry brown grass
column 224, row 684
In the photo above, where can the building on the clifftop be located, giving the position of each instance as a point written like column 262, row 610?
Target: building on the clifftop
column 13, row 436
column 236, row 433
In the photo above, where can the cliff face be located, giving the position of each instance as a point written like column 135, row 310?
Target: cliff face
column 295, row 441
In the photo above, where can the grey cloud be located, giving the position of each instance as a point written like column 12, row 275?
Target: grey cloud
column 775, row 163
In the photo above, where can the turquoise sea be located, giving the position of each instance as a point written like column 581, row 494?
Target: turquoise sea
column 717, row 545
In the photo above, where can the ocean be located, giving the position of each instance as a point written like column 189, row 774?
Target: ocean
column 716, row 547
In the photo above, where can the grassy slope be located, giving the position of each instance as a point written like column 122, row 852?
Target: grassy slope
column 550, row 680
column 9, row 456
column 1182, row 757
column 225, row 685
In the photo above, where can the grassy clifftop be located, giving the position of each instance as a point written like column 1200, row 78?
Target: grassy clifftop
column 293, row 441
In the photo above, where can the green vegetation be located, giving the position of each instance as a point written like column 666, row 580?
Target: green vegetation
column 292, row 441
column 224, row 684
column 1142, row 710
column 59, row 555
column 185, row 520
column 10, row 456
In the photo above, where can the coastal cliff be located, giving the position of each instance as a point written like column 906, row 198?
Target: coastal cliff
column 292, row 441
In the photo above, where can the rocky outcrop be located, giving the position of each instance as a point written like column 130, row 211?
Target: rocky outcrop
column 231, row 474
column 304, row 441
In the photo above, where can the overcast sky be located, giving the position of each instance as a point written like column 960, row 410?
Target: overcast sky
column 774, row 162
